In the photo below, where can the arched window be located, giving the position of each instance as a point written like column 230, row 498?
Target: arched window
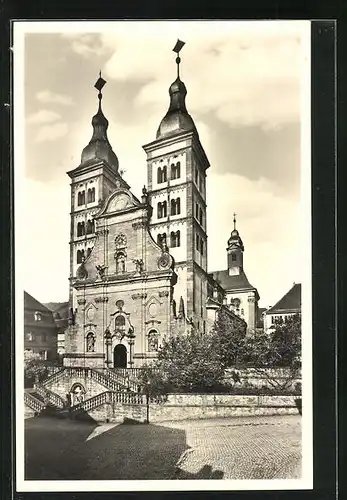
column 175, row 239
column 120, row 262
column 197, row 242
column 80, row 256
column 200, row 216
column 89, row 251
column 162, row 209
column 162, row 174
column 197, row 211
column 153, row 340
column 90, row 342
column 90, row 226
column 161, row 239
column 233, row 257
column 159, row 175
column 176, row 170
column 80, row 229
column 201, row 246
column 81, row 198
column 175, row 206
column 91, row 195
column 37, row 316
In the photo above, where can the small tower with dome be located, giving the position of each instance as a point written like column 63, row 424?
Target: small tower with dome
column 241, row 297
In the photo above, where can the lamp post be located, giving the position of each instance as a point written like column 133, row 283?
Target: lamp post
column 108, row 341
column 147, row 401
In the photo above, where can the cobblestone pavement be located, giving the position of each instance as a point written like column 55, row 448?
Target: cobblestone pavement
column 242, row 448
column 232, row 448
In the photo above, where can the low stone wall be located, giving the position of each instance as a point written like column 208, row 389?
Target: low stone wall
column 253, row 377
column 198, row 406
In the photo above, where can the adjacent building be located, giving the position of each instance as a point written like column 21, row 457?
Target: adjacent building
column 40, row 332
column 289, row 305
column 61, row 314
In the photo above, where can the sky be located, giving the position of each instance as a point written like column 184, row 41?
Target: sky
column 245, row 94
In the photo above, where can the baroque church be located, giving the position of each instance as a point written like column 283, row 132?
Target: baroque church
column 138, row 266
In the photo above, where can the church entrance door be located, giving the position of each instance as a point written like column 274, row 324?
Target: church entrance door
column 120, row 356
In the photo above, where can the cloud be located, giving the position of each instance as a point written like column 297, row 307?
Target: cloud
column 47, row 96
column 243, row 75
column 43, row 116
column 52, row 132
column 48, row 203
column 270, row 226
column 86, row 45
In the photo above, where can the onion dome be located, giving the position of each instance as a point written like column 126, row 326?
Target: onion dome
column 235, row 239
column 177, row 118
column 99, row 147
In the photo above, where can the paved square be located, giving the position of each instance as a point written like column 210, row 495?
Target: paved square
column 232, row 448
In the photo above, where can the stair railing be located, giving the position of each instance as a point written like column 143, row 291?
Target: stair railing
column 50, row 396
column 33, row 403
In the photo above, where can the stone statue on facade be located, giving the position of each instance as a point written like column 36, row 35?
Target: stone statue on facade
column 139, row 264
column 90, row 343
column 101, row 268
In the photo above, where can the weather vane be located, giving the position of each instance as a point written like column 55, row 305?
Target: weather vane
column 235, row 220
column 177, row 48
column 99, row 85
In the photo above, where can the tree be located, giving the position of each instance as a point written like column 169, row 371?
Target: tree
column 186, row 363
column 280, row 349
column 34, row 367
column 229, row 337
column 285, row 341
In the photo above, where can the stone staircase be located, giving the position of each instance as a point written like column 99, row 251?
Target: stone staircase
column 120, row 387
column 110, row 397
column 111, row 380
column 33, row 401
column 122, row 377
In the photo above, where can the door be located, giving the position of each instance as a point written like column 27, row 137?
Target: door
column 120, row 356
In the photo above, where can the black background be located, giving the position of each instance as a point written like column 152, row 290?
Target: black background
column 327, row 190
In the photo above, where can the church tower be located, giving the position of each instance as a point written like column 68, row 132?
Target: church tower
column 91, row 183
column 241, row 297
column 235, row 251
column 176, row 179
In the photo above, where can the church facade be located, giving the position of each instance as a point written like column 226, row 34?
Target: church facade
column 138, row 266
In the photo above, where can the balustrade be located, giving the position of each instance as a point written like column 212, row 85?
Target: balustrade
column 51, row 396
column 32, row 402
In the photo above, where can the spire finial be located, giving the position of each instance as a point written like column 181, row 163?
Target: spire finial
column 99, row 86
column 177, row 48
column 234, row 220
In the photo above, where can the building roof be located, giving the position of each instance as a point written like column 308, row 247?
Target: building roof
column 60, row 307
column 289, row 303
column 33, row 304
column 234, row 282
column 61, row 313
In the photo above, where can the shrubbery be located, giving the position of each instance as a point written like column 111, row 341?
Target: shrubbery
column 196, row 362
